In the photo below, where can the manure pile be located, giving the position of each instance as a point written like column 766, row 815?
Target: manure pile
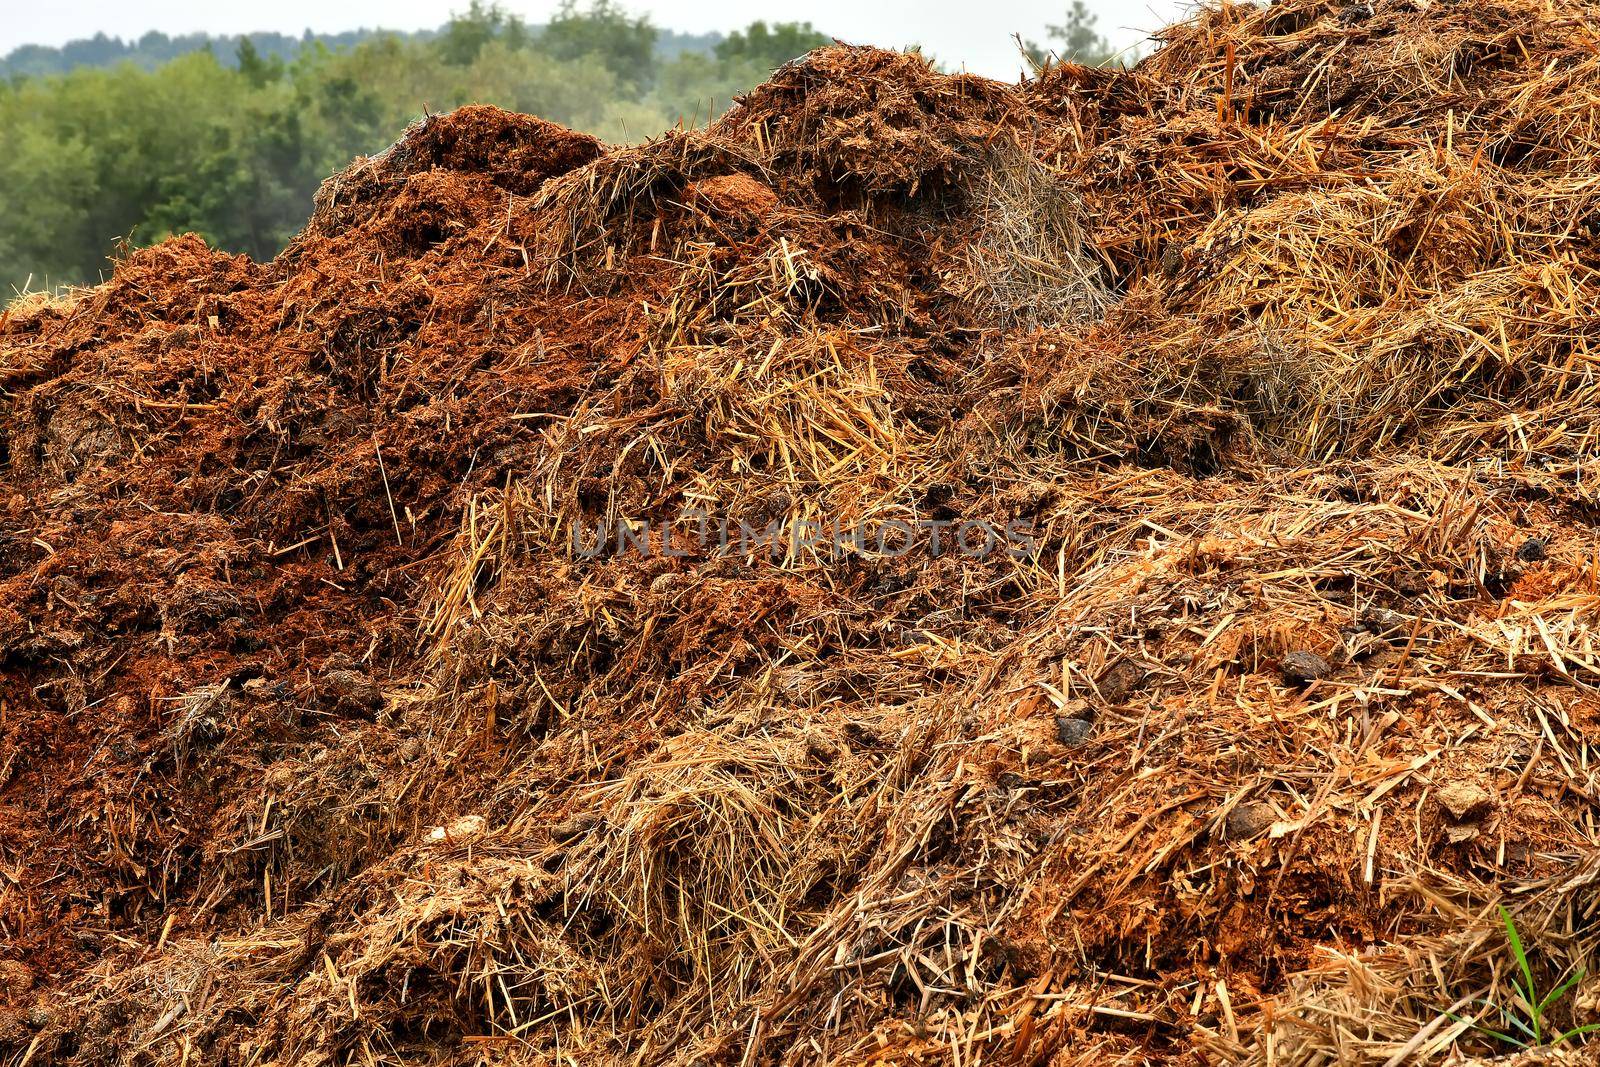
column 330, row 735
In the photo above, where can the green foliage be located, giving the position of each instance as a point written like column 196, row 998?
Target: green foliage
column 696, row 87
column 156, row 48
column 91, row 156
column 1073, row 39
column 770, row 46
column 607, row 34
column 466, row 36
column 1525, row 1020
column 232, row 142
column 260, row 71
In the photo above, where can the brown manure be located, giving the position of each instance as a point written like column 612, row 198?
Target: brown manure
column 509, row 627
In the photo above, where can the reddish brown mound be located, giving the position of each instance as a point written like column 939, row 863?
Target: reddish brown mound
column 867, row 122
column 327, row 738
column 733, row 194
column 196, row 425
column 252, row 474
column 476, row 144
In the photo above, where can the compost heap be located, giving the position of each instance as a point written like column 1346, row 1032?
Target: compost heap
column 325, row 742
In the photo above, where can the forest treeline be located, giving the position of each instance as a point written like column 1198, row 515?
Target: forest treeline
column 154, row 48
column 131, row 146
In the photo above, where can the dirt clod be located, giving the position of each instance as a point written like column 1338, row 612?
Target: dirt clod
column 15, row 975
column 1250, row 820
column 1120, row 681
column 734, row 195
column 353, row 688
column 576, row 826
column 1533, row 550
column 1464, row 801
column 1302, row 668
column 1073, row 732
column 1384, row 621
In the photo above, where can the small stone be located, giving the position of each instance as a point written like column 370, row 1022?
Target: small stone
column 354, row 689
column 1073, row 732
column 1120, row 681
column 1532, row 550
column 1356, row 14
column 577, row 826
column 1249, row 820
column 1383, row 621
column 1302, row 668
column 1463, row 801
column 468, row 826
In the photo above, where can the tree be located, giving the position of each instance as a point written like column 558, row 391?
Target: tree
column 770, row 47
column 1074, row 39
column 465, row 35
column 260, row 71
column 607, row 34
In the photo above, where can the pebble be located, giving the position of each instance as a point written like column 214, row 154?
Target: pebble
column 1120, row 681
column 1302, row 668
column 1073, row 732
column 1463, row 801
column 464, row 827
column 1250, row 820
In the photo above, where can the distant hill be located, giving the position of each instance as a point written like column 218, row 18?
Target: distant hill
column 156, row 48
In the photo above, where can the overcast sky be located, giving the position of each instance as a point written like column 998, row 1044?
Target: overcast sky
column 973, row 33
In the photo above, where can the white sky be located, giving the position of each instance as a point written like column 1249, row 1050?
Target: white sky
column 974, row 33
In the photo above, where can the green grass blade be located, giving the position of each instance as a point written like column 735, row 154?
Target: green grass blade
column 1527, row 971
column 1559, row 991
column 1586, row 1028
column 1489, row 1030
